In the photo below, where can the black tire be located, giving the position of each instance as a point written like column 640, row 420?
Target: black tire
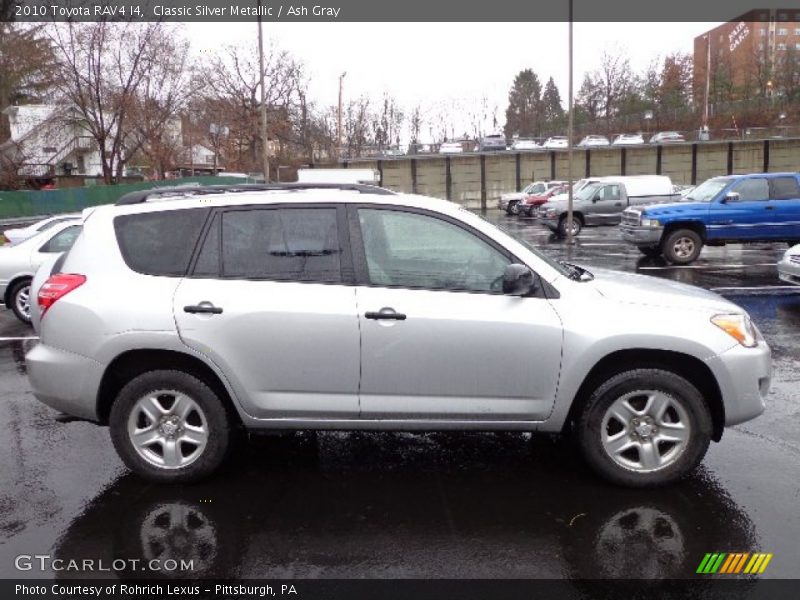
column 685, row 457
column 20, row 287
column 216, row 419
column 650, row 251
column 513, row 208
column 682, row 246
column 577, row 225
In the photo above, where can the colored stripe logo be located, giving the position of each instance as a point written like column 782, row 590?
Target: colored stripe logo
column 733, row 563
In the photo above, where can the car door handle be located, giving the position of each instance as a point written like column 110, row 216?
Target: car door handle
column 389, row 316
column 203, row 308
column 769, row 208
column 618, row 204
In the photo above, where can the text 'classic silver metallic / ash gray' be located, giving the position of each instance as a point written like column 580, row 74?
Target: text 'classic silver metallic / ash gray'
column 182, row 321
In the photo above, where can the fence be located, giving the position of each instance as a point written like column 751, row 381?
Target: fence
column 49, row 202
column 477, row 180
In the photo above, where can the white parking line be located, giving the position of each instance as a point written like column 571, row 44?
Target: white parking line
column 708, row 267
column 14, row 339
column 598, row 244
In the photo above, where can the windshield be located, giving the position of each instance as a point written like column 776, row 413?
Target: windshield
column 708, row 190
column 587, row 191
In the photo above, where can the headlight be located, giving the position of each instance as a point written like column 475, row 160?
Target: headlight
column 739, row 327
column 650, row 222
column 550, row 212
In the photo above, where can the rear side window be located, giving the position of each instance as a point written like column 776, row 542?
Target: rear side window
column 159, row 243
column 296, row 244
column 62, row 241
column 785, row 188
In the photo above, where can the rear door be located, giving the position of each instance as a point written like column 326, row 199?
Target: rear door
column 268, row 302
column 785, row 193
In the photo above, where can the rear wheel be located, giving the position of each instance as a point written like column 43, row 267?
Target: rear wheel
column 644, row 427
column 169, row 426
column 682, row 246
column 651, row 251
column 577, row 225
column 21, row 300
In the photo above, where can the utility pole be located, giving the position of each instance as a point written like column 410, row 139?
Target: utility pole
column 708, row 80
column 570, row 124
column 339, row 116
column 264, row 134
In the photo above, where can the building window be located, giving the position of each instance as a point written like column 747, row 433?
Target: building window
column 781, row 46
column 797, row 46
column 797, row 31
column 782, row 31
column 762, row 32
column 761, row 46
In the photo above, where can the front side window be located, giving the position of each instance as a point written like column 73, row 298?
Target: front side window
column 63, row 240
column 608, row 192
column 296, row 244
column 751, row 190
column 418, row 251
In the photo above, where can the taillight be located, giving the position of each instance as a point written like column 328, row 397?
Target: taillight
column 56, row 288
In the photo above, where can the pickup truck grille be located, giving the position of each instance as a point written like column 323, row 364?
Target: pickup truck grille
column 631, row 217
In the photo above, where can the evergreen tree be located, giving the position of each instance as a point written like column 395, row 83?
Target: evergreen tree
column 551, row 108
column 524, row 112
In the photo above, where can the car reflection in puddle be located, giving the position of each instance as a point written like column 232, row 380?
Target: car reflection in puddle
column 474, row 505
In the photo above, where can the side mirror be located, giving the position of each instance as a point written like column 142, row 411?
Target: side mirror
column 517, row 280
column 730, row 197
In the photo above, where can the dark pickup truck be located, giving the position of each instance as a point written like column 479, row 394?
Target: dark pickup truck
column 760, row 207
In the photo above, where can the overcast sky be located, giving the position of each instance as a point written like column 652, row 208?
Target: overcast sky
column 432, row 63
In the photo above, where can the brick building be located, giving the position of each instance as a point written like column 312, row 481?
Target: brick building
column 756, row 54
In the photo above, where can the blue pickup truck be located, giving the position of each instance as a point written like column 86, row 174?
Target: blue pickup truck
column 761, row 207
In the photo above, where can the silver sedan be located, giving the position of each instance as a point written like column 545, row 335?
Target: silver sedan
column 789, row 266
column 18, row 264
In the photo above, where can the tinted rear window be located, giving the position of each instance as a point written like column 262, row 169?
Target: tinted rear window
column 159, row 243
column 785, row 188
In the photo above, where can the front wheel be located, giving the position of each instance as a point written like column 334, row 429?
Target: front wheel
column 682, row 246
column 644, row 427
column 577, row 226
column 21, row 300
column 169, row 426
column 513, row 208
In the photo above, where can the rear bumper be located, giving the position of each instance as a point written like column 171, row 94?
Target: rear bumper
column 641, row 236
column 65, row 381
column 744, row 376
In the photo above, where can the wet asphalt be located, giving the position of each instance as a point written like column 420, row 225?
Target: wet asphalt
column 439, row 505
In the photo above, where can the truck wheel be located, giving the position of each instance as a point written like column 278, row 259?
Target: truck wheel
column 682, row 246
column 651, row 251
column 577, row 225
column 513, row 208
column 168, row 426
column 644, row 427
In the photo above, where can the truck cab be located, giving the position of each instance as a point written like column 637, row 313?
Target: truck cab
column 759, row 207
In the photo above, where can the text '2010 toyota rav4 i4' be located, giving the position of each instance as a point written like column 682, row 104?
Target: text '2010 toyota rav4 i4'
column 181, row 322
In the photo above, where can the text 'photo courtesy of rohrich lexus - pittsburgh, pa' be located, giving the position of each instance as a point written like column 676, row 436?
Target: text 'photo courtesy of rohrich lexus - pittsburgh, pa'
column 351, row 307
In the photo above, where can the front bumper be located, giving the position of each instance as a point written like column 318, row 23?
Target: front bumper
column 789, row 272
column 550, row 222
column 641, row 236
column 65, row 381
column 744, row 376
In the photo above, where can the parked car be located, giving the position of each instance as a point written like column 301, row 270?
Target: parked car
column 735, row 208
column 602, row 202
column 555, row 143
column 628, row 139
column 789, row 266
column 403, row 319
column 18, row 263
column 532, row 201
column 523, row 144
column 492, row 143
column 451, row 148
column 593, row 140
column 667, row 137
column 19, row 234
column 509, row 202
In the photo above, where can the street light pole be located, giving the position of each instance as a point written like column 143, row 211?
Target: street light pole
column 570, row 124
column 708, row 79
column 264, row 134
column 339, row 116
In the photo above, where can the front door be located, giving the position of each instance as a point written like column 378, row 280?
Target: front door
column 439, row 339
column 266, row 303
column 749, row 216
column 607, row 206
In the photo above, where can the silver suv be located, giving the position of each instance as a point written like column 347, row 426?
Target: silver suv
column 182, row 320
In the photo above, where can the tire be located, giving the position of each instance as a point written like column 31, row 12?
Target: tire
column 650, row 251
column 513, row 208
column 577, row 226
column 682, row 246
column 644, row 428
column 20, row 300
column 180, row 449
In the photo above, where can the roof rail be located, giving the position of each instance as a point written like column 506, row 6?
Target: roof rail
column 202, row 190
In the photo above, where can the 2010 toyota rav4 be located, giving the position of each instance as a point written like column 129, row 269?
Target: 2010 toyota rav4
column 183, row 321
